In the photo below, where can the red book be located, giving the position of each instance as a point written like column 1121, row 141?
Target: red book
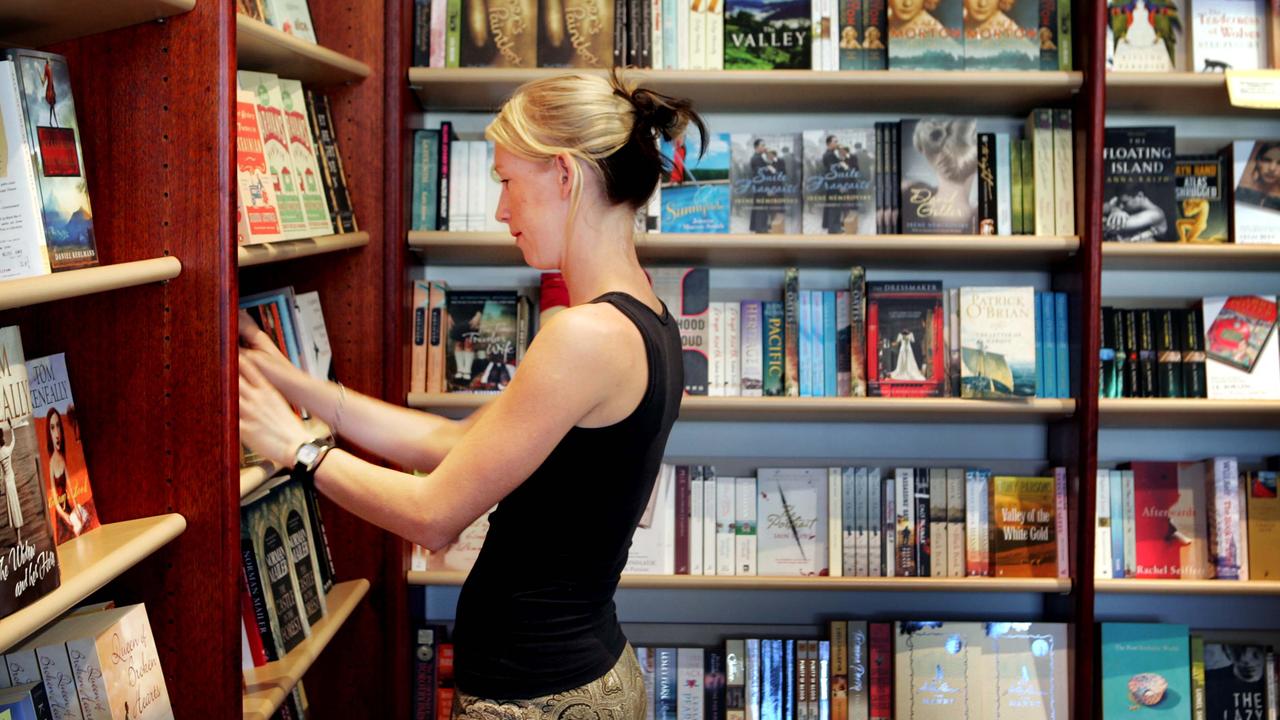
column 444, row 675
column 905, row 346
column 256, row 649
column 683, row 509
column 1167, row 522
column 881, row 671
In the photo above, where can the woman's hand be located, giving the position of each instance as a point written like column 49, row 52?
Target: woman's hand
column 262, row 350
column 267, row 423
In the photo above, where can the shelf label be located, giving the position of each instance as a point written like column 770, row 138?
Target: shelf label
column 1257, row 89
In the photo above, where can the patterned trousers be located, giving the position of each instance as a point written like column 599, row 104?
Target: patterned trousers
column 616, row 695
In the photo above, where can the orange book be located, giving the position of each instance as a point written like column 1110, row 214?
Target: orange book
column 68, row 496
column 1023, row 540
column 1264, row 525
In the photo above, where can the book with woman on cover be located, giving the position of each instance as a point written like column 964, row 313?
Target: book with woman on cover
column 765, row 179
column 62, row 462
column 905, row 355
column 940, row 176
column 1257, row 191
column 839, row 175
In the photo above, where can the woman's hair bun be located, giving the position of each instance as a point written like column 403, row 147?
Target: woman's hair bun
column 656, row 113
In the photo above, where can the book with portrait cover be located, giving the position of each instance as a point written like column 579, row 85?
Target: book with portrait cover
column 687, row 294
column 997, row 342
column 483, row 339
column 937, row 670
column 1023, row 538
column 768, row 34
column 1025, row 668
column 695, row 194
column 765, row 182
column 30, row 558
column 927, row 35
column 1235, row 680
column 1138, row 185
column 575, row 33
column 291, row 17
column 1146, row 672
column 1170, row 524
column 1256, row 202
column 1145, row 36
column 940, row 176
column 1228, row 35
column 62, row 464
column 23, row 250
column 905, row 349
column 499, row 33
column 1200, row 191
column 46, row 112
column 839, row 172
column 1002, row 35
column 792, row 516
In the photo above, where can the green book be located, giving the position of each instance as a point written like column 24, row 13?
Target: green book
column 1199, row 710
column 1027, row 156
column 1015, row 186
column 775, row 350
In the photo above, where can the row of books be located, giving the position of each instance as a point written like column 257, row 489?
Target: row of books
column 467, row 340
column 292, row 17
column 1170, row 352
column 1188, row 520
column 935, row 175
column 837, row 522
column 290, row 181
column 1152, row 194
column 96, row 663
column 1195, row 35
column 741, row 35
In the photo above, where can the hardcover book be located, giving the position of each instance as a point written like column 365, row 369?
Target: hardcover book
column 1169, row 521
column 1146, row 671
column 839, row 170
column 499, row 33
column 1228, row 35
column 1200, row 192
column 1235, row 680
column 1139, row 189
column 940, row 176
column 1002, row 35
column 1023, row 537
column 1264, row 525
column 302, row 146
column 695, row 195
column 1256, row 203
column 765, row 181
column 767, row 34
column 265, row 542
column 1024, row 668
column 575, row 33
column 927, row 35
column 997, row 342
column 937, row 670
column 905, row 356
column 482, row 353
column 62, row 463
column 1145, row 36
column 687, row 294
column 257, row 212
column 1242, row 359
column 48, row 111
column 792, row 512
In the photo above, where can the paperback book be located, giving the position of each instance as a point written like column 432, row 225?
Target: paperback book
column 1228, row 35
column 926, row 35
column 839, row 174
column 1256, row 203
column 765, row 180
column 62, row 463
column 940, row 176
column 499, row 33
column 1200, row 193
column 1235, row 680
column 905, row 348
column 1146, row 671
column 1002, row 35
column 1023, row 537
column 1145, row 36
column 483, row 340
column 767, row 34
column 575, row 33
column 1242, row 358
column 687, row 294
column 1138, row 185
column 997, row 342
column 937, row 670
column 1169, row 521
column 1024, row 671
column 792, row 511
column 695, row 195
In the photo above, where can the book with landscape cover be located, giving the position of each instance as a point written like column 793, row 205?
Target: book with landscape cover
column 765, row 183
column 839, row 172
column 1242, row 360
column 937, row 670
column 767, row 34
column 1023, row 538
column 499, row 33
column 575, row 33
column 997, row 342
column 483, row 339
column 695, row 195
column 1146, row 671
column 940, row 176
column 1256, row 201
column 1138, row 166
column 792, row 513
column 1146, row 36
column 905, row 349
column 62, row 464
column 687, row 294
column 1201, row 193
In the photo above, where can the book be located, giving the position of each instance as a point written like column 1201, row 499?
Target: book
column 988, row 196
column 1242, row 360
column 939, row 176
column 774, row 349
column 792, row 512
column 1064, row 186
column 303, row 149
column 483, row 340
column 686, row 293
column 1138, row 184
column 1145, row 671
column 791, row 332
column 1002, row 36
column 1228, row 35
column 745, row 526
column 502, row 33
column 1193, row 356
column 28, row 701
column 1200, row 191
column 116, row 665
column 926, row 36
column 1039, row 132
column 857, row 331
column 765, row 184
column 62, row 461
column 936, row 668
column 904, row 339
column 265, row 89
column 839, row 168
column 341, row 207
column 751, row 347
column 47, row 114
column 1170, row 520
column 1264, row 525
column 652, row 549
column 257, row 212
column 997, row 334
column 1235, row 680
column 1023, row 537
column 576, row 33
column 292, row 17
column 22, row 243
column 1024, row 668
column 264, row 540
column 1256, row 202
column 767, row 35
column 695, row 194
column 1145, row 36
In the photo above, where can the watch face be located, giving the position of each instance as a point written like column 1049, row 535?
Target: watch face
column 307, row 454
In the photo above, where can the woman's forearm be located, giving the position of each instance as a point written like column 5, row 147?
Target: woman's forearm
column 391, row 500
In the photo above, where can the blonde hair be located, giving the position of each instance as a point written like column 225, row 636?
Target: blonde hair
column 606, row 124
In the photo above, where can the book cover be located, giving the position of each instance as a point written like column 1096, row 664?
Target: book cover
column 1242, row 360
column 653, row 545
column 792, row 512
column 1235, row 680
column 774, row 349
column 939, row 176
column 1025, row 670
column 695, row 194
column 745, row 526
column 499, row 33
column 1228, row 35
column 482, row 340
column 322, row 129
column 116, row 665
column 292, row 17
column 1146, row 671
column 850, row 26
column 1194, row 383
column 839, row 167
column 1169, row 520
column 936, row 668
column 686, row 293
column 30, row 560
column 23, row 250
column 997, row 342
column 857, row 331
column 765, row 183
column 1002, row 35
column 1138, row 185
column 62, row 462
column 1264, row 525
column 1200, row 192
column 1256, row 203
column 52, row 138
column 573, row 33
column 904, row 339
column 988, row 196
column 265, row 89
column 1064, row 185
column 303, row 149
column 926, row 35
column 1145, row 36
column 1024, row 542
column 767, row 34
column 262, row 529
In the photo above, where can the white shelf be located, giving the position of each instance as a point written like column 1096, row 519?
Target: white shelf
column 89, row 562
column 267, row 686
column 273, row 252
column 253, row 477
column 264, row 48
column 87, row 281
column 36, row 23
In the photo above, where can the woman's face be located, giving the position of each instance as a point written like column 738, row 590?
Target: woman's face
column 906, row 10
column 533, row 206
column 55, row 432
column 980, row 11
column 1269, row 167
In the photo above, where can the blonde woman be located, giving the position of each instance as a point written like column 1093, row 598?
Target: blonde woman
column 569, row 451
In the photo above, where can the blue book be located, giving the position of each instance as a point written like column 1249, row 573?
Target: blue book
column 25, row 702
column 789, row 676
column 695, row 195
column 752, row 678
column 829, row 343
column 1146, row 671
column 1042, row 387
column 818, row 370
column 772, row 679
column 1050, row 346
column 670, row 51
column 806, row 343
column 273, row 311
column 1063, row 345
column 426, row 149
column 1117, row 524
column 664, row 684
column 824, row 681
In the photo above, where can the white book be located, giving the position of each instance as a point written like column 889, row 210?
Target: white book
column 987, row 563
column 1130, row 529
column 938, row 536
column 715, row 35
column 1255, row 213
column 792, row 512
column 848, row 522
column 1102, row 538
column 1064, row 167
column 459, row 164
column 23, row 251
column 888, row 526
column 1039, row 130
column 835, row 525
column 292, row 17
column 1228, row 34
column 875, row 511
column 864, row 518
column 709, row 498
column 690, row 674
column 1225, row 381
column 1242, row 527
column 744, row 523
column 439, row 21
column 955, row 522
column 265, row 89
column 303, row 148
column 697, row 34
column 653, row 546
column 1004, row 193
column 716, row 338
column 684, row 22
column 59, row 680
column 725, row 489
column 311, row 320
column 645, row 658
column 22, row 665
column 816, row 62
column 114, row 660
column 751, row 341
column 655, row 39
column 695, row 520
column 493, row 193
column 733, row 349
column 477, row 185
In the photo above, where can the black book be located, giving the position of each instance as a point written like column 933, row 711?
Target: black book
column 1108, row 361
column 442, row 167
column 1138, row 185
column 620, row 33
column 340, row 207
column 421, row 33
column 713, row 685
column 1235, row 681
column 1193, row 355
column 882, row 163
column 1131, row 384
column 988, row 201
column 895, row 176
column 1169, row 353
column 1148, row 387
column 924, row 546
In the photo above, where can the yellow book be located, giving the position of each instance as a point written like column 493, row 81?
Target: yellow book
column 1023, row 542
column 1264, row 526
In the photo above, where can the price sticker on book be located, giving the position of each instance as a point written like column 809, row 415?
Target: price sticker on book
column 1257, row 89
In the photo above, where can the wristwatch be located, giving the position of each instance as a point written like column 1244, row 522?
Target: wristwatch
column 309, row 456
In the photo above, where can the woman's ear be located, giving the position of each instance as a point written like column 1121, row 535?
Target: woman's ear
column 565, row 167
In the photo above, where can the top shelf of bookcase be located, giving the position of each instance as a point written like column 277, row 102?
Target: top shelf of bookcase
column 775, row 90
column 37, row 23
column 1183, row 93
column 264, row 48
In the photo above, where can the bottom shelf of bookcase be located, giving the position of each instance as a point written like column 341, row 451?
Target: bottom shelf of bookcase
column 89, row 562
column 267, row 686
column 255, row 476
column 1187, row 587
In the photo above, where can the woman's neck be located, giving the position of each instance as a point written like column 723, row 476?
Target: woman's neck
column 601, row 256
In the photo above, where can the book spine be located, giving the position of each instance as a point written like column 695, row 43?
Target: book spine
column 697, row 34
column 972, row 557
column 987, row 224
column 859, row 677
column 735, row 696
column 752, row 679
column 670, row 19
column 889, row 527
column 1063, row 163
column 849, row 522
column 91, row 683
column 59, row 683
column 830, row 371
column 710, row 486
column 861, row 522
column 1049, row 26
column 1102, row 539
column 772, row 679
column 985, row 527
column 1118, row 523
column 955, row 522
column 253, row 636
column 1199, row 708
column 882, row 179
column 1062, row 362
column 257, row 596
column 714, row 674
column 682, row 519
column 905, row 535
column 841, row 678
column 857, row 331
column 1273, row 688
column 951, row 317
column 716, row 350
column 936, row 549
column 665, row 678
column 835, row 526
column 1193, row 355
column 841, row 355
column 715, row 35
column 791, row 332
column 1042, row 385
column 443, row 168
column 923, row 524
column 1241, row 525
column 751, row 347
column 620, row 33
column 1030, row 212
column 880, row 664
column 439, row 29
column 1147, row 384
column 1168, row 355
column 690, row 674
column 477, row 182
column 1004, row 187
column 774, row 351
column 733, row 349
column 726, row 487
column 873, row 512
column 695, row 519
column 1060, row 535
column 420, row 331
column 805, row 349
column 1040, row 134
column 1130, row 525
column 745, row 526
column 1015, row 194
column 1107, row 355
column 877, row 56
column 425, row 677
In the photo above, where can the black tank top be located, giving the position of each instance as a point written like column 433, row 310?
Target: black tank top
column 536, row 615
